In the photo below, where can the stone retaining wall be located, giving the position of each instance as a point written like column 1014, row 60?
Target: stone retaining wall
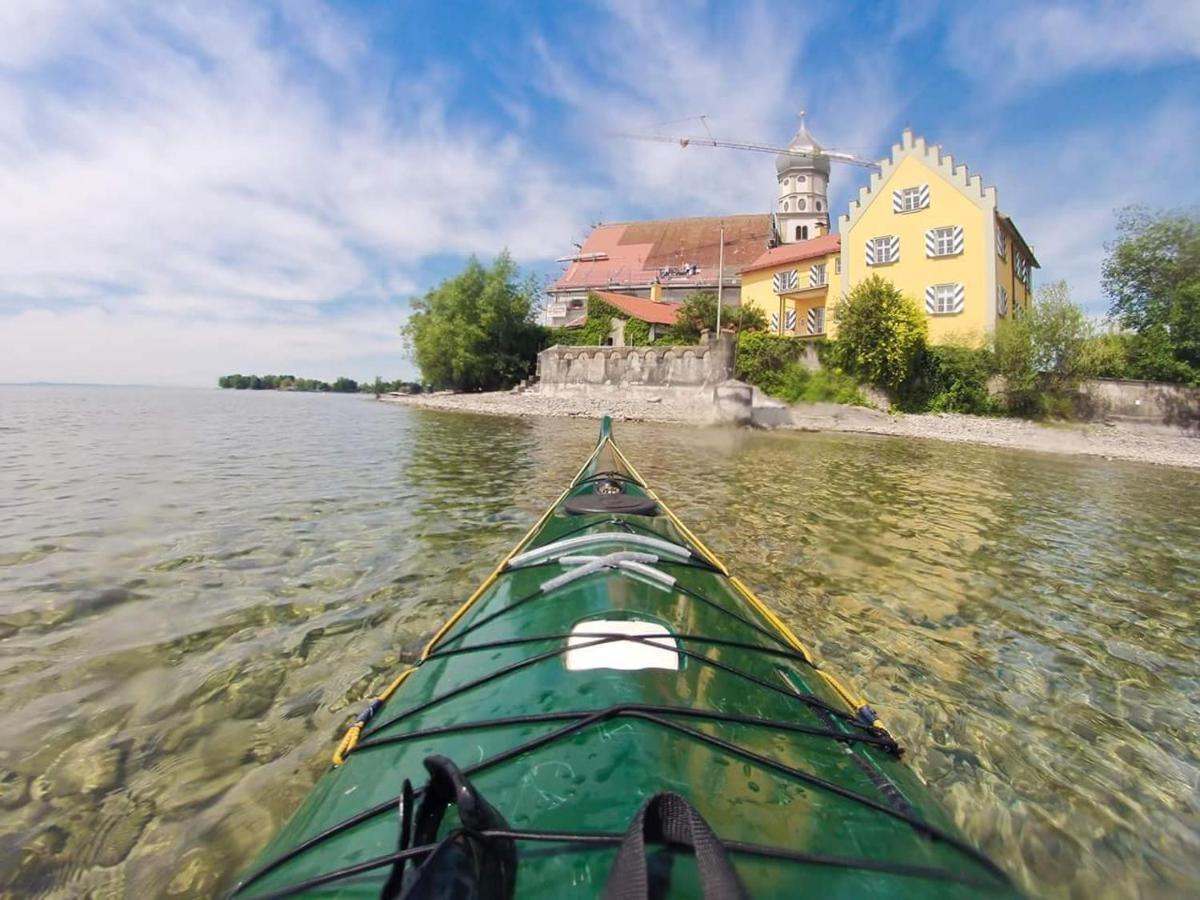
column 638, row 369
column 1144, row 402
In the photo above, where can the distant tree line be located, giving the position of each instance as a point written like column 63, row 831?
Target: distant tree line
column 292, row 383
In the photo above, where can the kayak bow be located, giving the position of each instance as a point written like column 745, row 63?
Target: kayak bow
column 612, row 684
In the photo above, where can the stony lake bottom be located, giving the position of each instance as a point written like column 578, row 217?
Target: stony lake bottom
column 199, row 588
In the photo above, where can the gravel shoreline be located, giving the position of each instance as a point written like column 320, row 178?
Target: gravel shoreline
column 1157, row 446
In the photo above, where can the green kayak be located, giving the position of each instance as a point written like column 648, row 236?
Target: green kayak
column 613, row 714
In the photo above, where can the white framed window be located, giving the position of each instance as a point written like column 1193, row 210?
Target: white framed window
column 944, row 299
column 1001, row 300
column 815, row 320
column 802, row 205
column 1001, row 242
column 910, row 199
column 837, row 265
column 883, row 250
column 816, row 276
column 944, row 241
column 800, row 179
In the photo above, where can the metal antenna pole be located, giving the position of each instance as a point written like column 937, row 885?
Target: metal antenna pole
column 720, row 280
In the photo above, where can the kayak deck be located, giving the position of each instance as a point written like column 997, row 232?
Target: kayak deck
column 609, row 658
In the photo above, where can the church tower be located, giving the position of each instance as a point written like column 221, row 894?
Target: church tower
column 803, row 172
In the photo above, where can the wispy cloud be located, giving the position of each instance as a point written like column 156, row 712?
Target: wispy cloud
column 189, row 163
column 1040, row 42
column 653, row 69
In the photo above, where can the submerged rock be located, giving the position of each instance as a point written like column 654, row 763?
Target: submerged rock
column 14, row 789
column 95, row 766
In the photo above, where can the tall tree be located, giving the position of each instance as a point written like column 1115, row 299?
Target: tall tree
column 476, row 331
column 1151, row 277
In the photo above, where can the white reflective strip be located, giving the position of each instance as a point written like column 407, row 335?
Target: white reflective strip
column 606, row 537
column 589, row 564
column 648, row 571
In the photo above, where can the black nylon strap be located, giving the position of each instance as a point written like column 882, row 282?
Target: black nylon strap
column 669, row 818
column 464, row 864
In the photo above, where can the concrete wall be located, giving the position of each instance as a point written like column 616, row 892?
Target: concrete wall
column 637, row 369
column 1143, row 402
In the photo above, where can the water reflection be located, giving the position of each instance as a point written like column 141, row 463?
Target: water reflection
column 195, row 587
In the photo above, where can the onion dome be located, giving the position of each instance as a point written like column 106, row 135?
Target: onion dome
column 803, row 153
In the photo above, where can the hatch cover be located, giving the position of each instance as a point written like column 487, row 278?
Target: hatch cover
column 584, row 653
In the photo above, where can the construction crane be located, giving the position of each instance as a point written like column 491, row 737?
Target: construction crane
column 812, row 148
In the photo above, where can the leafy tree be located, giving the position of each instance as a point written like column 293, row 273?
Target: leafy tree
column 345, row 386
column 881, row 332
column 476, row 331
column 1151, row 277
column 1046, row 353
column 699, row 313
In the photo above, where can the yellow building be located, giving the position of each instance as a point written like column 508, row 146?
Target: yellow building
column 924, row 223
column 790, row 284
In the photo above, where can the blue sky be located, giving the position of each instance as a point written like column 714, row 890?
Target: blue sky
column 197, row 188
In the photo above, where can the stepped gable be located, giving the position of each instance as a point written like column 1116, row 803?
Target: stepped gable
column 957, row 174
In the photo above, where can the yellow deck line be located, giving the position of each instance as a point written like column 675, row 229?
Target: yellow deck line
column 853, row 700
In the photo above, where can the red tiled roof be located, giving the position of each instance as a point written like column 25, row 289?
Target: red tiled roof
column 640, row 308
column 635, row 252
column 788, row 253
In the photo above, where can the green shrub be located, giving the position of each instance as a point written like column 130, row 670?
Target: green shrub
column 762, row 358
column 771, row 362
column 949, row 378
column 1045, row 354
column 881, row 332
column 1110, row 355
column 565, row 337
column 799, row 384
column 1153, row 356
